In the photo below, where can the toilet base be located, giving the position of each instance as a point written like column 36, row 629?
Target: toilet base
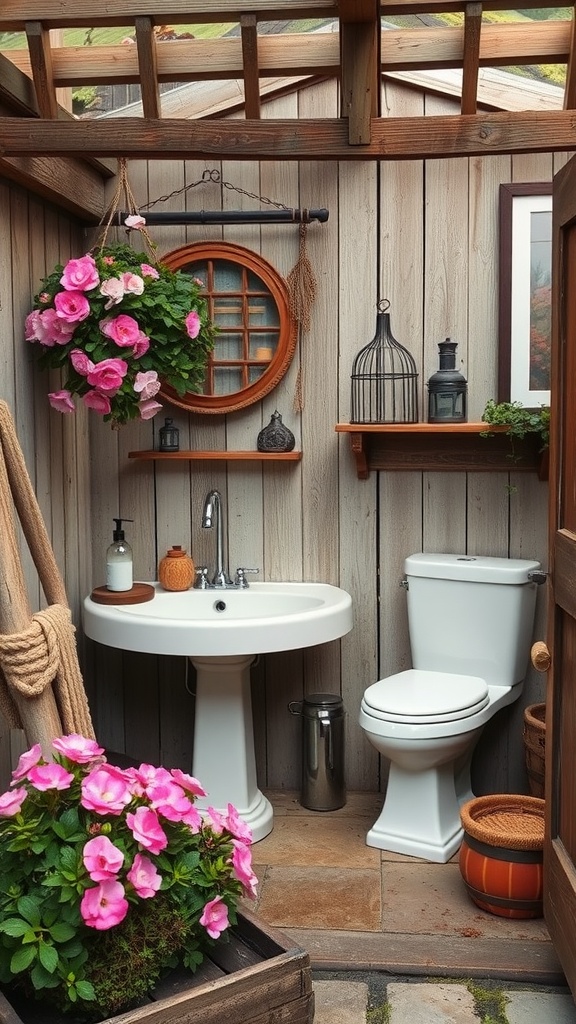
column 420, row 816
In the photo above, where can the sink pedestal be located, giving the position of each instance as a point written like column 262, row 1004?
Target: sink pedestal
column 223, row 759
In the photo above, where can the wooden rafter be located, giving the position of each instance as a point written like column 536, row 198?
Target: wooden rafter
column 391, row 139
column 471, row 62
column 360, row 75
column 41, row 61
column 249, row 36
column 543, row 42
column 147, row 66
column 570, row 88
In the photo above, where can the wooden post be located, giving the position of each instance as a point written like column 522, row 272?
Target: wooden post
column 39, row 715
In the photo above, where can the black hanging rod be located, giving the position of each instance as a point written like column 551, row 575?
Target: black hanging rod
column 228, row 217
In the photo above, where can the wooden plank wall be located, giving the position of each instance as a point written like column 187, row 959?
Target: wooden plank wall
column 435, row 226
column 33, row 239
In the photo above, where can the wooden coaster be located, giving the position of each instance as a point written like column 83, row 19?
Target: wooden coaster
column 140, row 592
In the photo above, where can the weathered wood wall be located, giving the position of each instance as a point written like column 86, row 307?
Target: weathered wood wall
column 434, row 228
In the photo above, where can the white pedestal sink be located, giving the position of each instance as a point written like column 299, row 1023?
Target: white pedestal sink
column 221, row 631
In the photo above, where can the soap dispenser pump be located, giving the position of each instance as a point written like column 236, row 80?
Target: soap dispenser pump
column 119, row 560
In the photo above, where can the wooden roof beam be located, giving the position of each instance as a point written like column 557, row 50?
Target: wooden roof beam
column 94, row 13
column 542, row 42
column 360, row 75
column 570, row 87
column 147, row 67
column 251, row 71
column 471, row 64
column 407, row 138
column 41, row 62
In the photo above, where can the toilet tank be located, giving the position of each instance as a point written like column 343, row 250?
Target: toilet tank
column 471, row 614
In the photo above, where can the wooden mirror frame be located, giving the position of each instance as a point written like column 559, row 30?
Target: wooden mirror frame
column 180, row 259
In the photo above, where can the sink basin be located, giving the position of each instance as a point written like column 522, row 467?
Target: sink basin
column 265, row 617
column 221, row 631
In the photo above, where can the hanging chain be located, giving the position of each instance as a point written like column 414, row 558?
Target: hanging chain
column 213, row 176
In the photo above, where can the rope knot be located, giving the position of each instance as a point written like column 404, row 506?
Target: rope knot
column 30, row 659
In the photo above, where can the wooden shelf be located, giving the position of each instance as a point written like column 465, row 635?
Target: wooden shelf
column 218, row 456
column 455, row 447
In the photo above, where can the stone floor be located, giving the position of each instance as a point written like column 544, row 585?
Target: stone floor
column 355, row 908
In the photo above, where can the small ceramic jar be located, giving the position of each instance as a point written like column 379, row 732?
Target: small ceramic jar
column 176, row 570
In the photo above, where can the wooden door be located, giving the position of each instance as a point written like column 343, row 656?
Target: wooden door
column 560, row 844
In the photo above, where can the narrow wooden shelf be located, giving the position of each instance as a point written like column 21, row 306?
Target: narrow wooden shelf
column 455, row 447
column 218, row 456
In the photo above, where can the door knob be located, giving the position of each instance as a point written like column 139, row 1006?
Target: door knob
column 540, row 656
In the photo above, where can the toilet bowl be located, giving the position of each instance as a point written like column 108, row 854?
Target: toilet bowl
column 470, row 625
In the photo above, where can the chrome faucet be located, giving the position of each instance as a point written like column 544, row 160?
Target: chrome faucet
column 213, row 514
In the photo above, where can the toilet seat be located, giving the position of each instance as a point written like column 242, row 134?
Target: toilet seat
column 420, row 697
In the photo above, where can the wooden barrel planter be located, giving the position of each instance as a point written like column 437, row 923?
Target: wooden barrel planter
column 258, row 977
column 501, row 854
column 534, row 746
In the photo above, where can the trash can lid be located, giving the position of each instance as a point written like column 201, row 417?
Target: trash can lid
column 323, row 699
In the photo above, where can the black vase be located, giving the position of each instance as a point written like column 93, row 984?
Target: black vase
column 276, row 437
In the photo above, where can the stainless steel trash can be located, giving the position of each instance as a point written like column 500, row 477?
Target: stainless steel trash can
column 323, row 786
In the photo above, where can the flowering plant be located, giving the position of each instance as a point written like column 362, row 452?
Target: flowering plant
column 110, row 875
column 119, row 327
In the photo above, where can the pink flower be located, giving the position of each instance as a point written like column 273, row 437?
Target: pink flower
column 217, row 821
column 144, row 877
column 147, row 384
column 188, row 782
column 61, row 401
column 77, row 748
column 149, row 271
column 132, row 283
column 135, row 221
column 26, row 761
column 98, row 401
column 237, row 826
column 193, row 819
column 146, row 775
column 44, row 297
column 148, row 409
column 242, row 867
column 105, row 790
column 147, row 830
column 80, row 361
column 108, row 260
column 192, row 322
column 114, row 289
column 108, row 374
column 122, row 329
column 48, row 328
column 50, row 776
column 169, row 800
column 11, row 802
column 215, row 917
column 141, row 346
column 102, row 859
column 72, row 306
column 104, row 906
column 80, row 275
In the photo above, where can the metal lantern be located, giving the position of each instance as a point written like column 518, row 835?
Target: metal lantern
column 447, row 388
column 168, row 437
column 384, row 378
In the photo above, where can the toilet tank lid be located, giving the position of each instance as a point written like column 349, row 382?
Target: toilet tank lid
column 477, row 568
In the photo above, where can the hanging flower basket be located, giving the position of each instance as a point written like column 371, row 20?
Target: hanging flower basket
column 119, row 327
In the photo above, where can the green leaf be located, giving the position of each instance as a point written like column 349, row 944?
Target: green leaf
column 29, row 909
column 14, row 926
column 48, row 957
column 62, row 932
column 85, row 990
column 23, row 958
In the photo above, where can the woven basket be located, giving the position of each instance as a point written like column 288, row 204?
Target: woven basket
column 534, row 746
column 501, row 854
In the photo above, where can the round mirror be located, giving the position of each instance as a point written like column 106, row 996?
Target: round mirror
column 249, row 303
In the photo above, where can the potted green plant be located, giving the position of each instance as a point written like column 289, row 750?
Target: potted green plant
column 520, row 422
column 120, row 327
column 109, row 876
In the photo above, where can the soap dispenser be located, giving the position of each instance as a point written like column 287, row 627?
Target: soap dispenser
column 119, row 560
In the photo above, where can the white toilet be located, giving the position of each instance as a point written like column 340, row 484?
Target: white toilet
column 470, row 621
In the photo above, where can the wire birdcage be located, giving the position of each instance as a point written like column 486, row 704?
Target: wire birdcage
column 384, row 378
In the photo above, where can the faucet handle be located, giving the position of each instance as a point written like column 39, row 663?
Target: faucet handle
column 240, row 578
column 202, row 578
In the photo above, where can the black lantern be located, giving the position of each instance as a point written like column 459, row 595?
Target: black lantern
column 384, row 378
column 447, row 388
column 168, row 437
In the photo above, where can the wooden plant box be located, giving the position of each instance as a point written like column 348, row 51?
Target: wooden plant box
column 258, row 977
